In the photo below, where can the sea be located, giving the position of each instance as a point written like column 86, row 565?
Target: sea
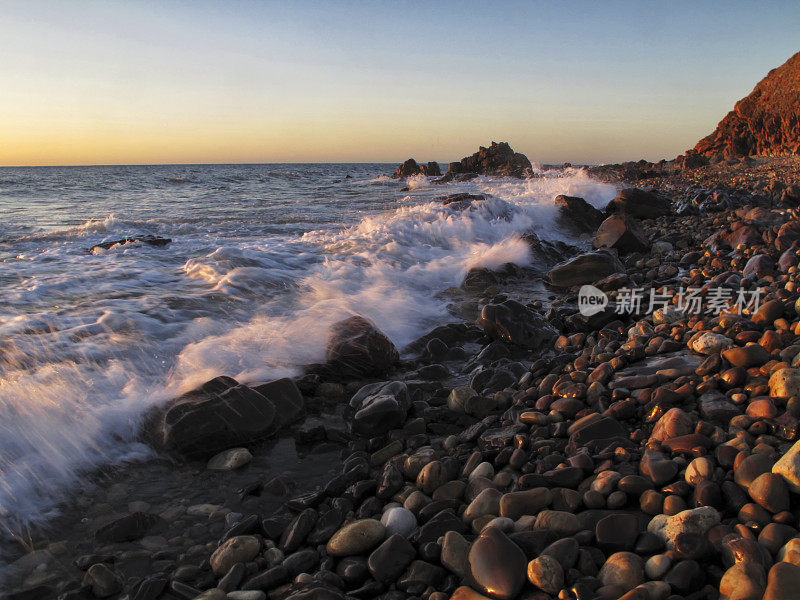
column 262, row 260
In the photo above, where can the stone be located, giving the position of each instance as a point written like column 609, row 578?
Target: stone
column 410, row 168
column 640, row 204
column 296, row 533
column 356, row 538
column 752, row 355
column 577, row 215
column 246, row 595
column 657, row 467
column 458, row 398
column 673, row 423
column 357, row 349
column 467, row 593
column 784, row 383
column 398, row 520
column 657, row 566
column 528, row 502
column 788, row 467
column 617, row 532
column 696, row 520
column 388, row 561
column 623, row 233
column 498, row 160
column 515, row 323
column 710, row 343
column 129, row 528
column 743, row 581
column 487, row 502
column 563, row 523
column 431, row 477
column 546, row 574
column 213, row 418
column 783, row 582
column 287, row 399
column 379, row 408
column 103, row 580
column 716, row 407
column 750, row 468
column 585, row 269
column 623, row 570
column 455, row 550
column 148, row 240
column 238, row 549
column 230, row 460
column 496, row 566
column 770, row 491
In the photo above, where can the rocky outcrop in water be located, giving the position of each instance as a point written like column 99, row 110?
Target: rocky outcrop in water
column 411, row 168
column 148, row 240
column 498, row 159
column 766, row 122
column 357, row 349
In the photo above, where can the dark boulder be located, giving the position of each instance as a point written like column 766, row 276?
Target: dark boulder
column 379, row 408
column 515, row 323
column 148, row 240
column 578, row 215
column 497, row 159
column 214, row 418
column 623, row 233
column 640, row 204
column 288, row 401
column 584, row 269
column 128, row 528
column 411, row 168
column 357, row 349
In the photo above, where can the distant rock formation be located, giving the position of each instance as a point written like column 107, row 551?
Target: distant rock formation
column 767, row 122
column 497, row 159
column 411, row 168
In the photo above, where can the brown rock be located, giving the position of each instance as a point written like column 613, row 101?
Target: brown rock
column 623, row 233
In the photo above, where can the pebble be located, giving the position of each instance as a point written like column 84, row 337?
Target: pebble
column 546, row 574
column 623, row 570
column 356, row 538
column 743, row 581
column 229, row 460
column 399, row 520
column 239, row 549
column 496, row 565
column 788, row 467
column 657, row 566
column 529, row 502
column 455, row 550
column 771, row 492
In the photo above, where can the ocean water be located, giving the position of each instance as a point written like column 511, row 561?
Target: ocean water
column 263, row 259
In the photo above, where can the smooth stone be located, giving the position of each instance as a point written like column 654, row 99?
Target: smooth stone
column 297, row 531
column 529, row 502
column 467, row 593
column 247, row 595
column 696, row 520
column 455, row 550
column 771, row 492
column 229, row 460
column 496, row 565
column 239, row 549
column 788, row 467
column 783, row 582
column 743, row 581
column 616, row 533
column 487, row 502
column 623, row 570
column 388, row 561
column 103, row 580
column 356, row 538
column 563, row 523
column 657, row 566
column 432, row 476
column 546, row 574
column 784, row 383
column 753, row 355
column 399, row 520
column 657, row 467
column 790, row 552
column 751, row 468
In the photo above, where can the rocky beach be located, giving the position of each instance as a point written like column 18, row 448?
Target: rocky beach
column 533, row 448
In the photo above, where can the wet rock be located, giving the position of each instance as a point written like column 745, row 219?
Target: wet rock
column 103, row 580
column 410, row 168
column 229, row 460
column 498, row 159
column 546, row 574
column 356, row 538
column 357, row 349
column 147, row 240
column 455, row 550
column 214, row 418
column 640, row 204
column 496, row 566
column 673, row 423
column 287, row 398
column 753, row 355
column 623, row 233
column 515, row 323
column 239, row 549
column 379, row 407
column 716, row 407
column 577, row 214
column 584, row 269
column 388, row 561
column 623, row 570
column 128, row 528
column 297, row 531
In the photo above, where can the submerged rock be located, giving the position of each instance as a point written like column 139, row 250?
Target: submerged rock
column 148, row 240
column 357, row 349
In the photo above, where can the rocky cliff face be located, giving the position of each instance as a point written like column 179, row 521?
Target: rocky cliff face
column 767, row 122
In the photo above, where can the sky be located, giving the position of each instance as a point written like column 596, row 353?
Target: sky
column 141, row 82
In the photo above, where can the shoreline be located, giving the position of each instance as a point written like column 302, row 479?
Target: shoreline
column 525, row 438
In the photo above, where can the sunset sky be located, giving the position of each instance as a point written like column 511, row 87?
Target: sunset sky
column 105, row 82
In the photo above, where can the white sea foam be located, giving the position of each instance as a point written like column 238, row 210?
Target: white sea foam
column 100, row 339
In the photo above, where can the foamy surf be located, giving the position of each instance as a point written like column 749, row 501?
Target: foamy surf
column 255, row 275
